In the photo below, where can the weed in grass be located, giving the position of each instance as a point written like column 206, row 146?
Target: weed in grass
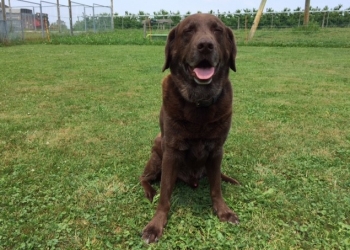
column 312, row 27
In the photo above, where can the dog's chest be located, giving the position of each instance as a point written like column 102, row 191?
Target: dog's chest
column 198, row 151
column 196, row 157
column 197, row 154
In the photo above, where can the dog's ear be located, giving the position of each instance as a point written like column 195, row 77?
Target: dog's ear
column 233, row 48
column 168, row 48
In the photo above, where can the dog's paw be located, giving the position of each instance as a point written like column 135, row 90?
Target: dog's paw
column 151, row 234
column 226, row 214
column 150, row 194
column 229, row 216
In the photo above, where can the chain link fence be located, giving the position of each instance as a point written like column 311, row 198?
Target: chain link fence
column 93, row 18
column 241, row 20
column 3, row 30
column 41, row 19
column 11, row 28
column 26, row 19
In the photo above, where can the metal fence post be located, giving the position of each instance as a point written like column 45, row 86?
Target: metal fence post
column 93, row 17
column 112, row 20
column 4, row 18
column 33, row 18
column 41, row 20
column 85, row 19
column 59, row 16
column 70, row 17
column 10, row 9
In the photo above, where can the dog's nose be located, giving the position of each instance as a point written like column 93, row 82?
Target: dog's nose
column 205, row 46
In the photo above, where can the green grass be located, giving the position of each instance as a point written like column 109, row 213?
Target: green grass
column 77, row 124
column 289, row 37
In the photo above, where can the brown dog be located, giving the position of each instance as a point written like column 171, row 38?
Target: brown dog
column 195, row 117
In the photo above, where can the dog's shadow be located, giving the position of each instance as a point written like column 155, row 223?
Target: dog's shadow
column 195, row 200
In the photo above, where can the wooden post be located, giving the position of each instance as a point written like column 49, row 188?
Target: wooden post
column 257, row 19
column 306, row 12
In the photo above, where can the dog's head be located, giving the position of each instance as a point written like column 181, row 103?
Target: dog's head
column 200, row 48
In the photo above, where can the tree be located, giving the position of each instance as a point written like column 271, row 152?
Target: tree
column 54, row 26
column 240, row 18
column 83, row 22
column 129, row 21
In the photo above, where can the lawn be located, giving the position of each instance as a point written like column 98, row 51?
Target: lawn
column 287, row 37
column 76, row 129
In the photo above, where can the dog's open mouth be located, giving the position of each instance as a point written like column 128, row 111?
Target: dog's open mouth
column 203, row 72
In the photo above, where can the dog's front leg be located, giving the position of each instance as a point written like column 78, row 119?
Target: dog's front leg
column 213, row 168
column 154, row 229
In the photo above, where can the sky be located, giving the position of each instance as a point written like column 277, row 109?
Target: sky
column 193, row 6
column 134, row 6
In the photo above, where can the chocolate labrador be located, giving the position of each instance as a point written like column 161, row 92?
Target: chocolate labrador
column 195, row 116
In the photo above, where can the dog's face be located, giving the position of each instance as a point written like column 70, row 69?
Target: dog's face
column 200, row 50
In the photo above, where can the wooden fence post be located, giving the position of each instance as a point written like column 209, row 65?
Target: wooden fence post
column 257, row 20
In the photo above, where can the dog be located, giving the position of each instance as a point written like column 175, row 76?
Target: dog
column 195, row 116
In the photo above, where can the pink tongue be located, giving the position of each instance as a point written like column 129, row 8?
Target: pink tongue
column 204, row 73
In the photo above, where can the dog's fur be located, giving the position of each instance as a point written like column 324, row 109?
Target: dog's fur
column 195, row 116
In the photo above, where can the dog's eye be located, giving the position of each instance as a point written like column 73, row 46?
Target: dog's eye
column 218, row 30
column 188, row 31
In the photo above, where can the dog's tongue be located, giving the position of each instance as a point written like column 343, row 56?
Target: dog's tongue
column 204, row 73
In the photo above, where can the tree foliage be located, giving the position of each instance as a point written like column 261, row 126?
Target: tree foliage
column 326, row 17
column 99, row 22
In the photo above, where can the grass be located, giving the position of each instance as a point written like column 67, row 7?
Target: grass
column 77, row 123
column 289, row 37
